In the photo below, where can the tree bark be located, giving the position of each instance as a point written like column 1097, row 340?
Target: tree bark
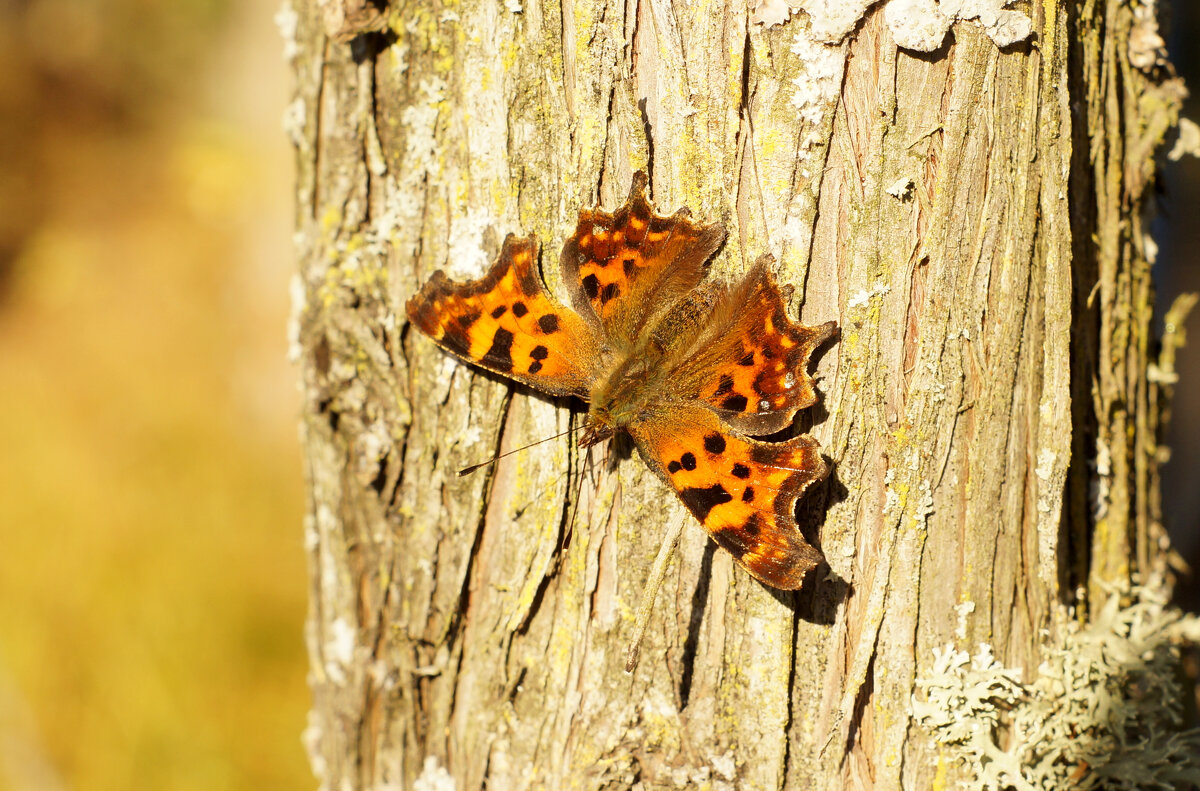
column 969, row 207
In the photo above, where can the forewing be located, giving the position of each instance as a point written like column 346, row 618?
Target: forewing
column 742, row 490
column 749, row 361
column 507, row 323
column 628, row 268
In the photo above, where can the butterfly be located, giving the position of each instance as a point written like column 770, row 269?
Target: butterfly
column 691, row 370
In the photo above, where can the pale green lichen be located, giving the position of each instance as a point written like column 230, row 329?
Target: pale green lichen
column 1104, row 711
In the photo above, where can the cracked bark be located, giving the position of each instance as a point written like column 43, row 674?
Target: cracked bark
column 972, row 219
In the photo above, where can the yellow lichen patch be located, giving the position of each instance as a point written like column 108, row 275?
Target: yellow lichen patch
column 511, row 53
column 331, row 220
column 941, row 776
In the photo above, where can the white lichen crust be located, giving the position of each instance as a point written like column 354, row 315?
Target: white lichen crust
column 1103, row 712
column 916, row 24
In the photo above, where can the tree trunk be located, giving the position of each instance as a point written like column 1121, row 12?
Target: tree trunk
column 967, row 205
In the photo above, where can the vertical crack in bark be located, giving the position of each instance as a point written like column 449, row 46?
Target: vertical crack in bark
column 865, row 692
column 317, row 163
column 744, row 98
column 562, row 540
column 914, row 308
column 539, row 594
column 372, row 149
column 454, row 625
column 648, row 131
column 402, row 449
column 691, row 645
column 786, row 762
column 453, row 631
column 566, row 21
column 739, row 142
column 382, row 614
column 379, row 482
column 608, row 535
column 640, row 89
column 608, row 118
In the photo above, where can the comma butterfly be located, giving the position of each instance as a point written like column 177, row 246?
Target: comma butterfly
column 691, row 370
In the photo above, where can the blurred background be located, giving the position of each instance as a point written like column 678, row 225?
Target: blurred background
column 152, row 580
column 1177, row 230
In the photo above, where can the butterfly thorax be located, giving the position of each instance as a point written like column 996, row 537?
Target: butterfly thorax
column 629, row 392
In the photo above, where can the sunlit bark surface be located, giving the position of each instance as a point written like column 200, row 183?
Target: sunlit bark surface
column 972, row 219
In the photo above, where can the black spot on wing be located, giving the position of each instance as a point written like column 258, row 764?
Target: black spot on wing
column 466, row 320
column 548, row 323
column 673, row 467
column 701, row 501
column 535, row 366
column 748, row 359
column 519, row 309
column 688, row 461
column 740, row 471
column 714, row 444
column 500, row 311
column 499, row 355
column 539, row 352
column 753, row 525
column 735, row 403
column 609, row 292
column 629, row 265
column 748, row 494
column 591, row 286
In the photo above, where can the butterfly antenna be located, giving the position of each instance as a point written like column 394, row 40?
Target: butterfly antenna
column 646, row 608
column 498, row 457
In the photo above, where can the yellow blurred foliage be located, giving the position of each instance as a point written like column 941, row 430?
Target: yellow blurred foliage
column 152, row 577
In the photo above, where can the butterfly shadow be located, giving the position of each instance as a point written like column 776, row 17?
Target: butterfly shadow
column 824, row 593
column 818, row 601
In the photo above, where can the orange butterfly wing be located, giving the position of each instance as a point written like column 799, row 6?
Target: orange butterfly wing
column 750, row 361
column 742, row 490
column 506, row 322
column 628, row 268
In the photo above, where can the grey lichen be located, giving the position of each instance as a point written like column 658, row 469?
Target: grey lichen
column 1105, row 710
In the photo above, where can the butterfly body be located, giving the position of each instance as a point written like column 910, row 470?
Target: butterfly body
column 629, row 394
column 692, row 371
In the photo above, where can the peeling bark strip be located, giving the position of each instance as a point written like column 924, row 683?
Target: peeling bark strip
column 987, row 413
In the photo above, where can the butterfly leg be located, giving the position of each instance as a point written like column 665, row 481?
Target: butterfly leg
column 646, row 608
